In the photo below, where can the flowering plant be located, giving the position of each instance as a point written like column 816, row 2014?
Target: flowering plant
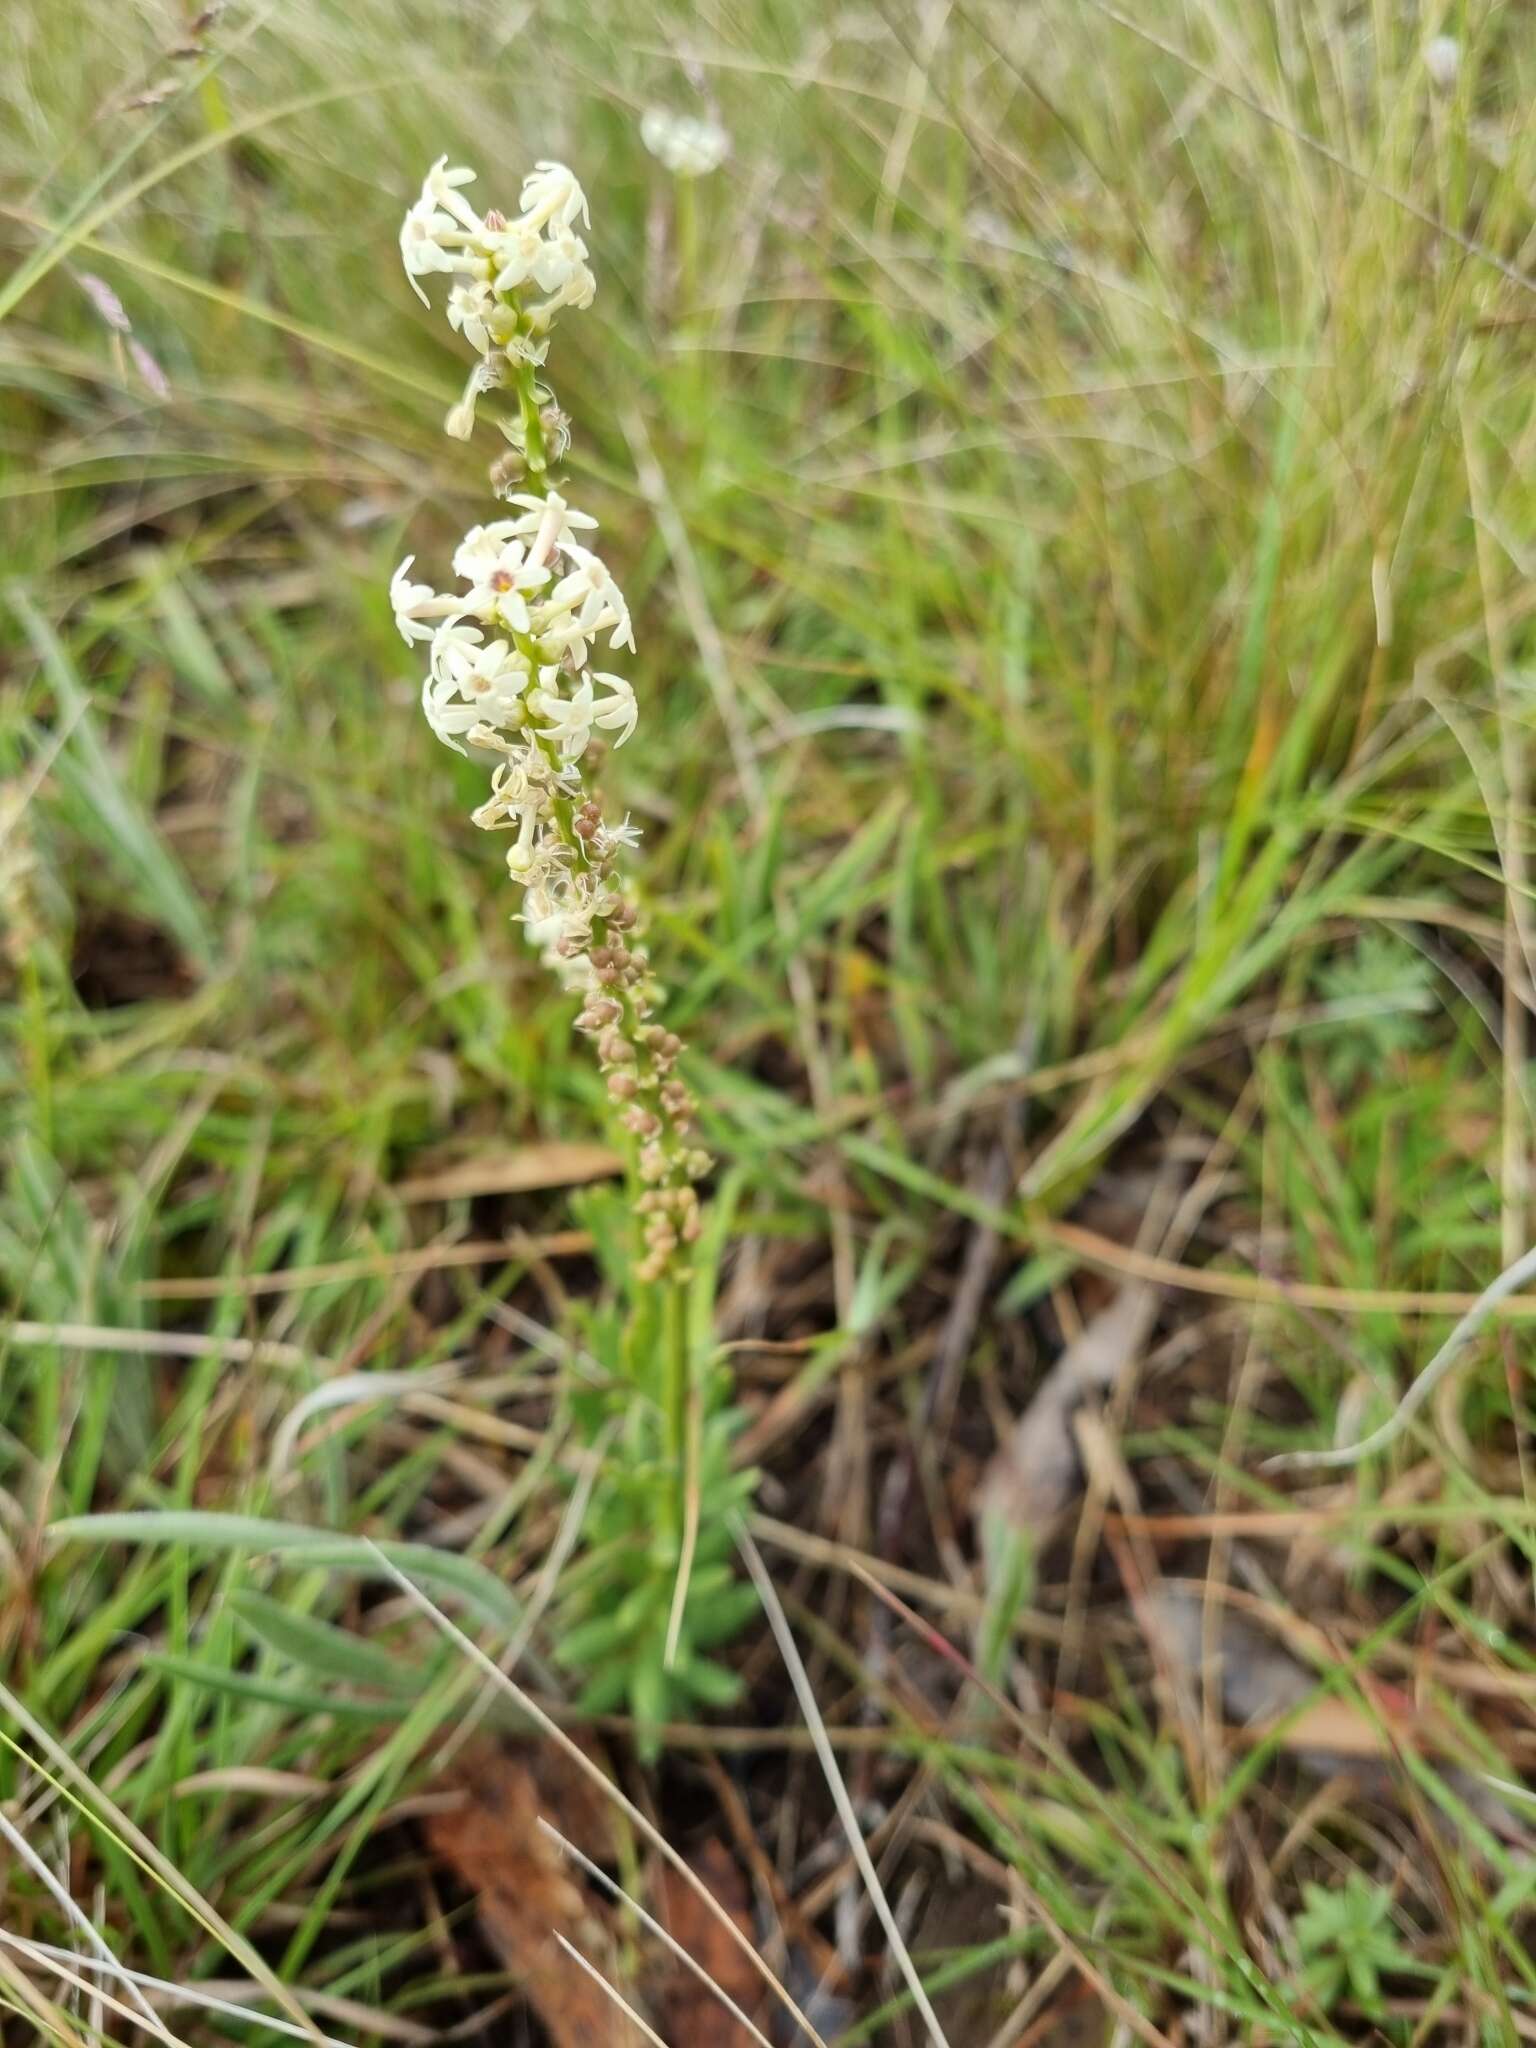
column 510, row 682
column 689, row 147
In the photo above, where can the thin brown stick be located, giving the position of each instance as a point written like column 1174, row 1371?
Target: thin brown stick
column 1104, row 1253
column 557, row 1244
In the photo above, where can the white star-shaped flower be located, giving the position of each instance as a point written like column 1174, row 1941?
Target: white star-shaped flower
column 472, row 310
column 514, row 250
column 548, row 522
column 597, row 601
column 437, row 225
column 500, row 578
column 550, row 193
column 471, row 681
column 421, row 251
column 442, row 185
column 480, row 547
column 567, row 720
column 512, row 793
column 415, row 603
column 559, row 259
column 618, row 712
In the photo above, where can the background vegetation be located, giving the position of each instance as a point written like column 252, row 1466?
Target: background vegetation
column 1074, row 470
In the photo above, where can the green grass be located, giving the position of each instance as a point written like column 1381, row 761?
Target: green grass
column 1106, row 443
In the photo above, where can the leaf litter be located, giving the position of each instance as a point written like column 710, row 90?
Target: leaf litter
column 527, row 1899
column 1037, row 1473
column 523, row 1825
column 1266, row 1691
column 689, row 2010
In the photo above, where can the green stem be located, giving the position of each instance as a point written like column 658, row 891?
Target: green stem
column 564, row 812
column 675, row 1388
column 533, row 425
column 690, row 365
column 685, row 214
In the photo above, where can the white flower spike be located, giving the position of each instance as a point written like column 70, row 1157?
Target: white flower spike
column 508, row 653
column 689, row 147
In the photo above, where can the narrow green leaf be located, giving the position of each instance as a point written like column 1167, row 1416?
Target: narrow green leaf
column 320, row 1647
column 293, row 1699
column 478, row 1588
column 107, row 809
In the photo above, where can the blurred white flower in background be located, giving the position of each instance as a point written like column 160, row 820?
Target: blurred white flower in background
column 688, row 145
column 1442, row 60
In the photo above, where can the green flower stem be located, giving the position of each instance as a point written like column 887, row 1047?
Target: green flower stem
column 686, row 217
column 676, row 1379
column 676, row 1388
column 533, row 425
